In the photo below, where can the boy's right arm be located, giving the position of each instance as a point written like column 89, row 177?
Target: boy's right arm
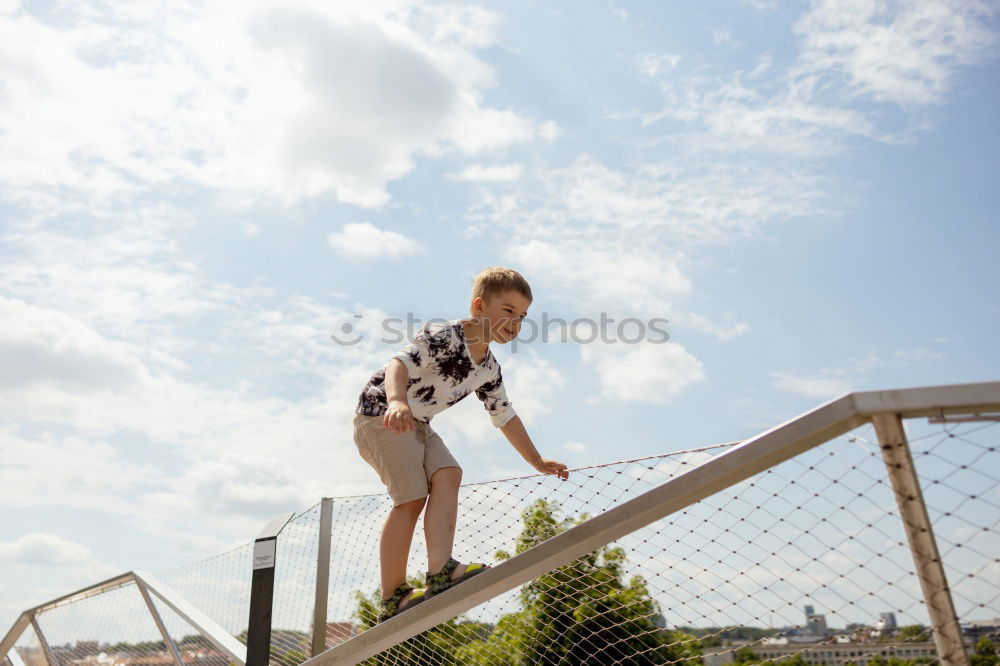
column 398, row 416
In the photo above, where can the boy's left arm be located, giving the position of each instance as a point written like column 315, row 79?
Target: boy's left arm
column 518, row 437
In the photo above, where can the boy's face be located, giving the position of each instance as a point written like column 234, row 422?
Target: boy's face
column 502, row 314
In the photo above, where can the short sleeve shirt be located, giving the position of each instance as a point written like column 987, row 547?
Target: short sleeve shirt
column 441, row 372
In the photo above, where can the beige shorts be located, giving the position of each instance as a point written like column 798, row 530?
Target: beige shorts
column 405, row 461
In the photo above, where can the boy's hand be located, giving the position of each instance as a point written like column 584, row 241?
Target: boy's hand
column 546, row 466
column 398, row 416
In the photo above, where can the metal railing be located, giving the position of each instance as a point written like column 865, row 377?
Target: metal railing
column 321, row 567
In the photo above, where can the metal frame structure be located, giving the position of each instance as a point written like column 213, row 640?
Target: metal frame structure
column 747, row 459
column 885, row 409
column 148, row 585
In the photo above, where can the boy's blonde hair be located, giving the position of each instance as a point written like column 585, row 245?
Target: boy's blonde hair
column 496, row 280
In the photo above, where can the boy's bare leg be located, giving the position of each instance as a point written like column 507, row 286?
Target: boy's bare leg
column 394, row 547
column 439, row 519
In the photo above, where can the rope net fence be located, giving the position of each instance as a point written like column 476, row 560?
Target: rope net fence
column 805, row 562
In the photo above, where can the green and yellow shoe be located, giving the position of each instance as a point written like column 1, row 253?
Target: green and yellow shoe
column 394, row 605
column 444, row 579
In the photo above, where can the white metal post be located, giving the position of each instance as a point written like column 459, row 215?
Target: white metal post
column 218, row 636
column 322, row 577
column 15, row 657
column 167, row 640
column 919, row 532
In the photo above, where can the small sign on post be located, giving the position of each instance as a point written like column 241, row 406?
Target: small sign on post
column 265, row 550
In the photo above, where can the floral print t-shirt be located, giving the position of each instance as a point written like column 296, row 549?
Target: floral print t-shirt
column 442, row 372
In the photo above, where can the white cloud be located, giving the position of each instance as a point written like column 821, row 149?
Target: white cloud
column 234, row 484
column 123, row 282
column 651, row 64
column 642, row 372
column 723, row 37
column 903, row 53
column 366, row 241
column 499, row 173
column 41, row 548
column 548, row 131
column 38, row 345
column 66, row 365
column 532, row 384
column 562, row 225
column 831, row 382
column 50, row 550
column 575, row 447
column 851, row 52
column 670, row 205
column 328, row 98
column 640, row 279
column 47, row 470
column 828, row 384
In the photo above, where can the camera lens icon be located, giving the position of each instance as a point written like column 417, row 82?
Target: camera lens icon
column 348, row 335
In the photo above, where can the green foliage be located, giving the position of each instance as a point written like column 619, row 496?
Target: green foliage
column 914, row 633
column 745, row 656
column 795, row 660
column 197, row 640
column 733, row 633
column 986, row 653
column 293, row 658
column 583, row 613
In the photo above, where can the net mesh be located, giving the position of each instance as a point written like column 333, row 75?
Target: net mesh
column 807, row 561
column 30, row 649
column 803, row 559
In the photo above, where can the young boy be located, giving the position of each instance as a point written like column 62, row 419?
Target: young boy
column 444, row 363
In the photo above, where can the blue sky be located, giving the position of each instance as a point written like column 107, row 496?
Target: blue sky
column 194, row 197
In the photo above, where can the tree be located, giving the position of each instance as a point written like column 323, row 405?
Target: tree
column 583, row 613
column 795, row 660
column 437, row 645
column 745, row 655
column 986, row 653
column 914, row 633
column 292, row 658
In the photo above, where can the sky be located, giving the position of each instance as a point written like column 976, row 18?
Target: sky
column 197, row 198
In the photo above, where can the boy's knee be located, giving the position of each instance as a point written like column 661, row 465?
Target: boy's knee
column 447, row 476
column 411, row 508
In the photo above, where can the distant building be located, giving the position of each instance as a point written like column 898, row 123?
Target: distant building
column 838, row 654
column 888, row 621
column 815, row 624
column 975, row 629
